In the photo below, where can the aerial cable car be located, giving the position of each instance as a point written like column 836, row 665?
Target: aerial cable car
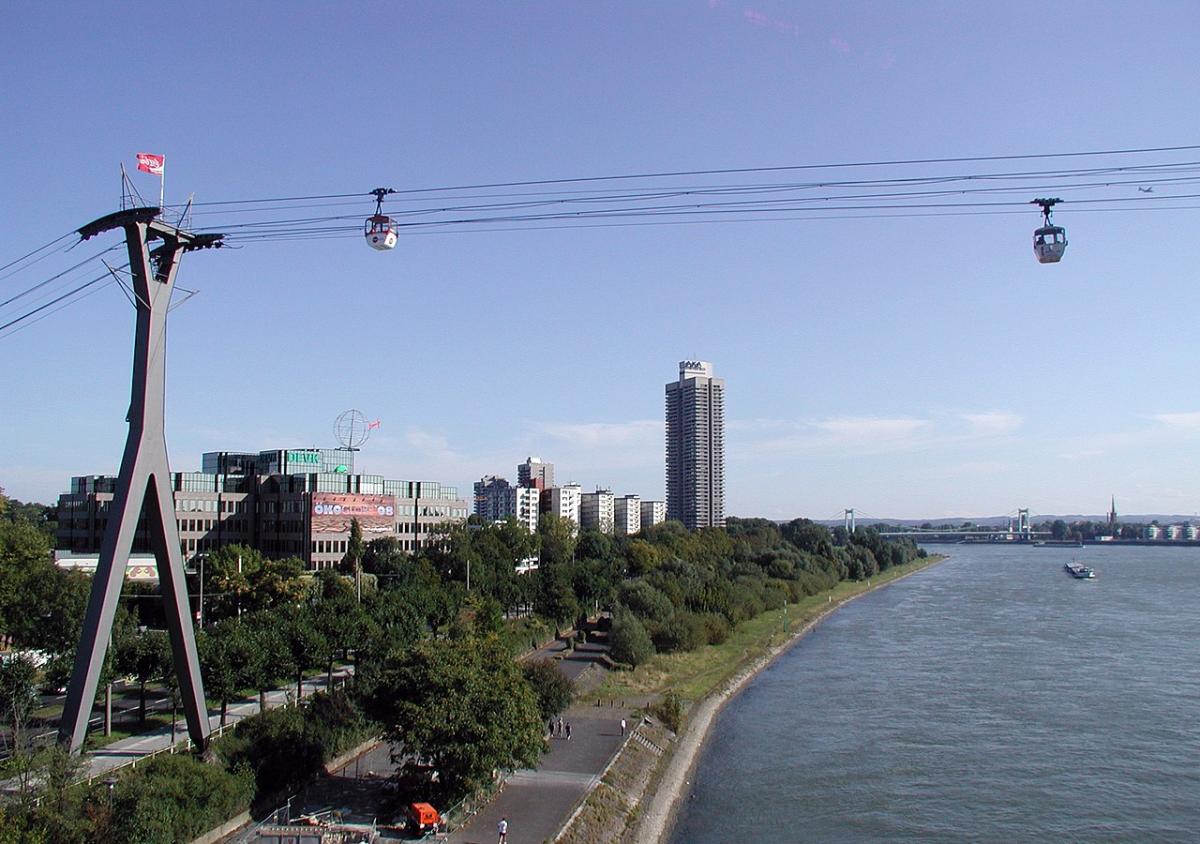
column 1049, row 241
column 380, row 229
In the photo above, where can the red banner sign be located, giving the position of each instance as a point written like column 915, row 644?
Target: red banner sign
column 333, row 511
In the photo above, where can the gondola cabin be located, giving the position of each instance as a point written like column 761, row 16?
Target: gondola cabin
column 1049, row 244
column 380, row 231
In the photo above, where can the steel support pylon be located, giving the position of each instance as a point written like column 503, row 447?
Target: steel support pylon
column 145, row 479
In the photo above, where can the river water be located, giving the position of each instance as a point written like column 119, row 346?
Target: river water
column 991, row 697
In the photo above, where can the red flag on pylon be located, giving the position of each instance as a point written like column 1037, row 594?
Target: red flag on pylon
column 148, row 162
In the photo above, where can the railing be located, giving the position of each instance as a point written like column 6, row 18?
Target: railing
column 465, row 809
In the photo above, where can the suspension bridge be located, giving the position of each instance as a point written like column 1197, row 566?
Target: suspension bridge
column 1018, row 529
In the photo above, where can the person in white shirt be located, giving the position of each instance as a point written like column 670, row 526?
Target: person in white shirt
column 502, row 828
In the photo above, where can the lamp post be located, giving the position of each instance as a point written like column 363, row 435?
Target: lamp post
column 111, row 782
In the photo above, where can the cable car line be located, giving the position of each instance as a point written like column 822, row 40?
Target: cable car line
column 35, row 251
column 54, row 301
column 726, row 171
column 734, row 190
column 900, row 210
column 798, row 167
column 71, row 269
column 614, row 193
column 902, row 201
column 670, row 204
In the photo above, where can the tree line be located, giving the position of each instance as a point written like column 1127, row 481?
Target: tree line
column 433, row 660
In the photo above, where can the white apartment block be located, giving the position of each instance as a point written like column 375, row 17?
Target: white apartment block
column 627, row 515
column 596, row 510
column 525, row 501
column 653, row 513
column 564, row 502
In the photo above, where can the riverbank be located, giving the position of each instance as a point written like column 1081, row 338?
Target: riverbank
column 659, row 816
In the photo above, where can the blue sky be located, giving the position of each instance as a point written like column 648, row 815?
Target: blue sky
column 906, row 367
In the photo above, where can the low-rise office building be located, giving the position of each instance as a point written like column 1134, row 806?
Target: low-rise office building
column 284, row 503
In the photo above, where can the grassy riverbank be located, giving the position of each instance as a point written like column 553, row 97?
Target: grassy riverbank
column 694, row 674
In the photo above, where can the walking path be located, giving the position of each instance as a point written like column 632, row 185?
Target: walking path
column 538, row 802
column 120, row 753
column 130, row 750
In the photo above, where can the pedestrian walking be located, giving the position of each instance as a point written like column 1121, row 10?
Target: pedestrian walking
column 502, row 829
column 551, row 725
column 622, row 726
column 560, row 725
column 568, row 731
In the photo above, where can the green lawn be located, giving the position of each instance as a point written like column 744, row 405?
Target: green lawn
column 694, row 674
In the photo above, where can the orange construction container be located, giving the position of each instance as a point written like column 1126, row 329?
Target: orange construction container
column 422, row 817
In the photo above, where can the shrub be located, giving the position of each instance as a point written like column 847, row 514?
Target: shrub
column 669, row 710
column 285, row 746
column 176, row 797
column 716, row 627
column 630, row 642
column 645, row 601
column 684, row 631
column 774, row 596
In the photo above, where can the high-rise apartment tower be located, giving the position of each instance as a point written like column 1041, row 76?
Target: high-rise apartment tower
column 696, row 446
column 535, row 472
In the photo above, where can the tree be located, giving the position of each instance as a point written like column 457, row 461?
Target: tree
column 304, row 645
column 144, row 657
column 354, row 549
column 595, row 545
column 558, row 539
column 555, row 598
column 642, row 557
column 226, row 584
column 339, row 620
column 645, row 601
column 18, row 699
column 461, row 706
column 551, row 687
column 228, row 652
column 271, row 659
column 1058, row 530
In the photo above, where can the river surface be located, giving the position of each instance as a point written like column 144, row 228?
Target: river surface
column 989, row 698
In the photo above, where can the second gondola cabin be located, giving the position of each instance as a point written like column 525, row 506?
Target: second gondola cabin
column 380, row 231
column 1049, row 241
column 1049, row 244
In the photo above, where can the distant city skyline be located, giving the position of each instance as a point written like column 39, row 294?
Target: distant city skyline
column 918, row 364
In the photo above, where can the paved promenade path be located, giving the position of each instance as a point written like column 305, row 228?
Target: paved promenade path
column 538, row 802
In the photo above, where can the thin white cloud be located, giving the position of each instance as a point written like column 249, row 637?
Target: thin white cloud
column 1168, row 428
column 871, row 429
column 1189, row 422
column 993, row 423
column 639, row 432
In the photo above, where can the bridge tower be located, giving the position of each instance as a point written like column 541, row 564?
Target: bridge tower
column 849, row 520
column 1023, row 527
